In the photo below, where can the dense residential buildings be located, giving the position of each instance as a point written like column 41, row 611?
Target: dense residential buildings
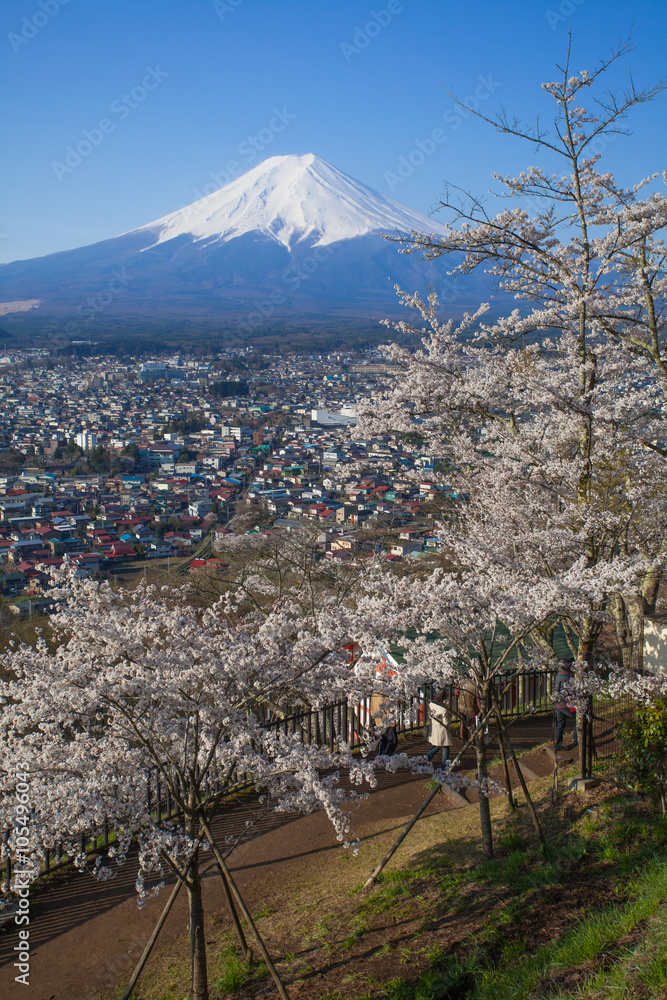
column 104, row 462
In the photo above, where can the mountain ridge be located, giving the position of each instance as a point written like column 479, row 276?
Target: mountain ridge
column 292, row 239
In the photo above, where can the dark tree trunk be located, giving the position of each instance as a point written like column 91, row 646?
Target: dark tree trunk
column 129, row 991
column 484, row 807
column 585, row 663
column 197, row 936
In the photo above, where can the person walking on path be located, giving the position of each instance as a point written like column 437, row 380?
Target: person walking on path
column 384, row 723
column 467, row 705
column 388, row 741
column 439, row 729
column 563, row 711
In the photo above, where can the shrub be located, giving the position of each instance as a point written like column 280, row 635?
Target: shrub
column 643, row 757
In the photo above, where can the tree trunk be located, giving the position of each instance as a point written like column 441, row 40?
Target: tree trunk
column 639, row 609
column 628, row 617
column 623, row 629
column 245, row 949
column 585, row 663
column 484, row 807
column 529, row 801
column 282, row 992
column 197, row 936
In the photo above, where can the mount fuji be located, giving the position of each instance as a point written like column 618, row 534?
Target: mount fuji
column 292, row 239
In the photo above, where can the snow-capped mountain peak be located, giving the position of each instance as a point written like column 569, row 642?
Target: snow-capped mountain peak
column 290, row 199
column 292, row 241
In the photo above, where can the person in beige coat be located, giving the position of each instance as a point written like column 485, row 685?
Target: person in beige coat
column 439, row 730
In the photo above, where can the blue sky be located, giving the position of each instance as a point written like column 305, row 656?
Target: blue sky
column 168, row 94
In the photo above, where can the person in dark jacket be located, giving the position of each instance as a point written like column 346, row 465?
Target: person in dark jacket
column 384, row 722
column 563, row 711
column 388, row 742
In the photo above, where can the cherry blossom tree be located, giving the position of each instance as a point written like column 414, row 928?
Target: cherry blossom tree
column 469, row 625
column 141, row 682
column 551, row 420
column 134, row 685
column 506, row 423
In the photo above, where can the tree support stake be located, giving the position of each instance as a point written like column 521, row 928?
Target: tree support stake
column 244, row 910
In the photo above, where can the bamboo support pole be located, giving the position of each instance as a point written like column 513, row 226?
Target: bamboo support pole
column 151, row 942
column 504, row 737
column 244, row 910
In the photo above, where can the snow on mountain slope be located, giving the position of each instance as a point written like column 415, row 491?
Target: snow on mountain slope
column 293, row 240
column 290, row 199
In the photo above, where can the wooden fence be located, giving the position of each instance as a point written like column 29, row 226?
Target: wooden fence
column 601, row 743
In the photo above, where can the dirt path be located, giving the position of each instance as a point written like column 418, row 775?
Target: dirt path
column 85, row 936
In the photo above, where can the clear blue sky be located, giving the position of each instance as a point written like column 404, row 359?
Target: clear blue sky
column 221, row 69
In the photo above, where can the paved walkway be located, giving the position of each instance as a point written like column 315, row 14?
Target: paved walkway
column 86, row 936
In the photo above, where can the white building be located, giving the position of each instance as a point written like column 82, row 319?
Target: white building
column 239, row 433
column 87, row 440
column 325, row 418
column 654, row 644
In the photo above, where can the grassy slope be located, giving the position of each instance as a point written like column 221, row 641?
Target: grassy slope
column 443, row 923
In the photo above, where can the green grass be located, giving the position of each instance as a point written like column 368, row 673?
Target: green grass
column 595, row 936
column 641, row 970
column 612, row 952
column 386, row 897
column 233, row 973
column 512, row 841
column 443, row 983
column 360, row 927
column 628, row 942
